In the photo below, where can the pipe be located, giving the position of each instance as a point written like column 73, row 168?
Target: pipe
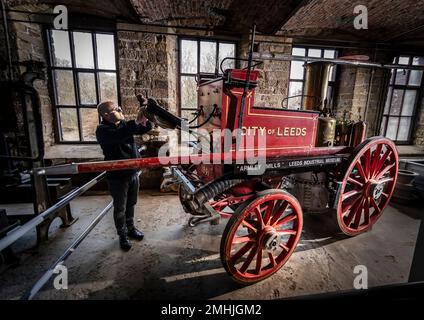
column 287, row 57
column 29, row 295
column 6, row 35
column 19, row 232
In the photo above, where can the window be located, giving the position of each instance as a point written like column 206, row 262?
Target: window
column 297, row 75
column 402, row 100
column 200, row 57
column 83, row 73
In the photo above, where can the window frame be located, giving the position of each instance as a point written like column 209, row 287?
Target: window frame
column 331, row 83
column 51, row 68
column 404, row 87
column 198, row 73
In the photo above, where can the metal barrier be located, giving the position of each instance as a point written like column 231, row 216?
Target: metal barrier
column 47, row 275
column 17, row 233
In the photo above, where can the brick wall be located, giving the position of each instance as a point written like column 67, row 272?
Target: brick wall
column 419, row 130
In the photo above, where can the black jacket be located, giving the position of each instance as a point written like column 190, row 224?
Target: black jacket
column 117, row 143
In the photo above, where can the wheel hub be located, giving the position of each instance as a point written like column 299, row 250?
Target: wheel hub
column 374, row 189
column 270, row 239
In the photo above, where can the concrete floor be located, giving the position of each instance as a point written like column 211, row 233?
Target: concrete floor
column 178, row 262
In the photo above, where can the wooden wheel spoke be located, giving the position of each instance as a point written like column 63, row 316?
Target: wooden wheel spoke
column 272, row 259
column 268, row 212
column 350, row 194
column 241, row 252
column 239, row 240
column 352, row 213
column 249, row 226
column 286, row 219
column 355, row 182
column 366, row 212
column 367, row 163
column 361, row 172
column 259, row 262
column 249, row 259
column 284, row 247
column 358, row 215
column 287, row 232
column 384, row 171
column 258, row 214
column 381, row 162
column 279, row 213
column 352, row 202
column 375, row 159
column 375, row 205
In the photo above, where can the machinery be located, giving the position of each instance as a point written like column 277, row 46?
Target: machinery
column 352, row 175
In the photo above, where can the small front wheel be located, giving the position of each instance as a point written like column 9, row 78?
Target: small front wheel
column 261, row 236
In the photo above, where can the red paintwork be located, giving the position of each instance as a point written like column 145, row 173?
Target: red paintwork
column 231, row 157
column 283, row 128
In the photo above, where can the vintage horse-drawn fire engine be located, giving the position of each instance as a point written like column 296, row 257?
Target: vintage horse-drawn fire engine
column 329, row 159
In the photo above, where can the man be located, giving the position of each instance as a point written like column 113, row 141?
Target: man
column 115, row 136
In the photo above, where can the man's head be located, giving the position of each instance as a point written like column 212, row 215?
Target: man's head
column 110, row 111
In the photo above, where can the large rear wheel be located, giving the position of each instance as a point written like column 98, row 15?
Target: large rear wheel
column 369, row 180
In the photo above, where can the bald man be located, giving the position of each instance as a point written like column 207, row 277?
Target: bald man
column 116, row 138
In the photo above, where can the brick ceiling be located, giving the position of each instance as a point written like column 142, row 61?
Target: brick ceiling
column 390, row 21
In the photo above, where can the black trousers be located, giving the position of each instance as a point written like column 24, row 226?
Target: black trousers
column 124, row 192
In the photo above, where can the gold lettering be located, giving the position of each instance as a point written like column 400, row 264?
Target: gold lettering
column 292, row 132
column 304, row 132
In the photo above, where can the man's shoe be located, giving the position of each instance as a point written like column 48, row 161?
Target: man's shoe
column 125, row 243
column 136, row 234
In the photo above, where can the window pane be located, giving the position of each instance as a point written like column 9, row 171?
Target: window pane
column 297, row 70
column 108, row 86
column 409, row 102
column 188, row 92
column 295, row 89
column 401, row 76
column 227, row 50
column 389, row 97
column 403, row 60
column 316, row 53
column 83, row 45
column 87, row 88
column 188, row 56
column 415, row 78
column 65, row 91
column 207, row 56
column 69, row 124
column 396, row 102
column 392, row 128
column 299, row 52
column 89, row 121
column 105, row 51
column 60, row 48
column 404, row 126
column 418, row 61
column 329, row 54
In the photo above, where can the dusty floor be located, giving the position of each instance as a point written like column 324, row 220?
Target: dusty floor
column 178, row 262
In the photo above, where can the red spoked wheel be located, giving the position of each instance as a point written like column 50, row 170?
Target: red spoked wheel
column 261, row 236
column 368, row 184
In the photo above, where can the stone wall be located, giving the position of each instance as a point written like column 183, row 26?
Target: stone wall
column 418, row 137
column 360, row 91
column 27, row 43
column 273, row 80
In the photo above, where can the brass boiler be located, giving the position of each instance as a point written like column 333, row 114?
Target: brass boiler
column 316, row 86
column 326, row 132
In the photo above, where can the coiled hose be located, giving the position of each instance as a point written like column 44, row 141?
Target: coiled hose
column 213, row 189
